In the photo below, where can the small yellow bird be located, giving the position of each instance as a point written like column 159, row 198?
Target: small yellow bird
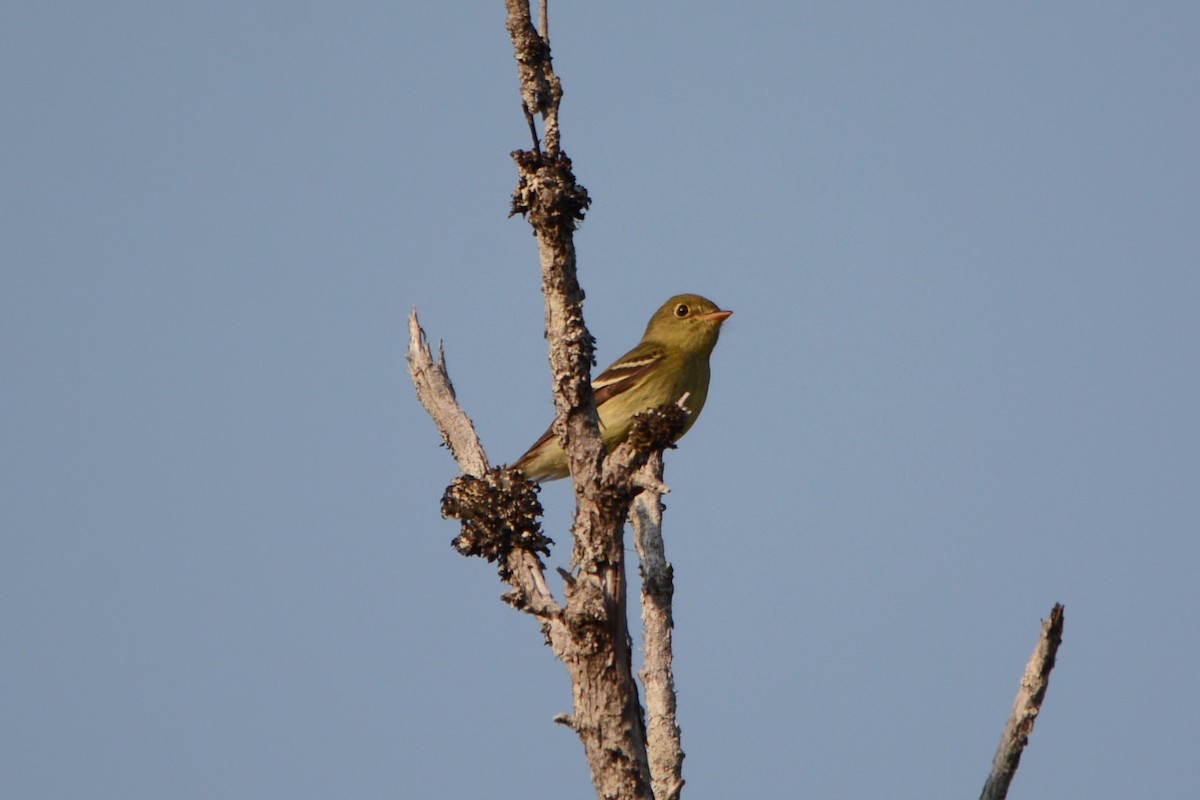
column 670, row 361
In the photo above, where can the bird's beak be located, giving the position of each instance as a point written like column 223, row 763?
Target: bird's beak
column 714, row 316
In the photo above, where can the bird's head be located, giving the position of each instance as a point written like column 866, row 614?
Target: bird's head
column 687, row 321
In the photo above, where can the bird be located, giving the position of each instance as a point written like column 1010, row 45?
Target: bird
column 670, row 363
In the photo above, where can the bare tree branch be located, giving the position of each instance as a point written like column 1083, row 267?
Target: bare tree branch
column 436, row 393
column 664, row 749
column 499, row 509
column 1026, row 707
column 540, row 87
column 521, row 566
column 606, row 714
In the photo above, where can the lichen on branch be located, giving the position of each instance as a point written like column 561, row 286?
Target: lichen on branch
column 500, row 513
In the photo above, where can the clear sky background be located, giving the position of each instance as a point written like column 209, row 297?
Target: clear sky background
column 962, row 244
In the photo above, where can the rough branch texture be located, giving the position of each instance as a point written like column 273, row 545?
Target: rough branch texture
column 658, row 590
column 436, row 393
column 606, row 715
column 499, row 509
column 1026, row 707
column 519, row 565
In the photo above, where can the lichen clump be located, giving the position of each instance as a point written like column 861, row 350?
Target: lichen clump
column 500, row 512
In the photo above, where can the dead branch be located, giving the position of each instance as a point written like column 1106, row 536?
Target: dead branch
column 436, row 393
column 1025, row 708
column 664, row 749
column 606, row 715
column 499, row 509
column 520, row 565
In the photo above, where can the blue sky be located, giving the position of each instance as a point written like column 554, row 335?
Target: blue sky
column 959, row 386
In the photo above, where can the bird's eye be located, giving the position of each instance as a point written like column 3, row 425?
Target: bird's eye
column 681, row 310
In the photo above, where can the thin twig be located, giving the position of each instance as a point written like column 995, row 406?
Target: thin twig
column 533, row 134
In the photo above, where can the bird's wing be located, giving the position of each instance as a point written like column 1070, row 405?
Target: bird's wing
column 623, row 374
column 626, row 372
